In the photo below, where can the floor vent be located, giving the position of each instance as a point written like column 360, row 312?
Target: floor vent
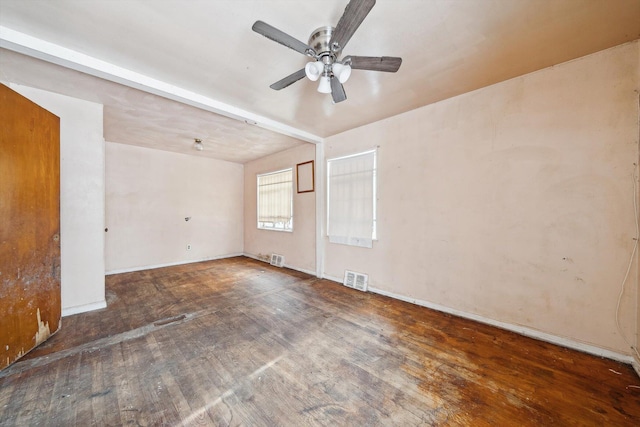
column 277, row 260
column 355, row 280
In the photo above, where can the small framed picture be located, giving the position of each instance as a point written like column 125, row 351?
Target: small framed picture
column 305, row 173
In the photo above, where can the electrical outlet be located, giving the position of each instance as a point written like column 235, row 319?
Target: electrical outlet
column 188, row 247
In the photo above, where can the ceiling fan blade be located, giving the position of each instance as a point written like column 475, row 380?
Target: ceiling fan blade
column 337, row 91
column 389, row 64
column 289, row 80
column 353, row 15
column 283, row 38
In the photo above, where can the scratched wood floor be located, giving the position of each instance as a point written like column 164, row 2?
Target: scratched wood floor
column 238, row 342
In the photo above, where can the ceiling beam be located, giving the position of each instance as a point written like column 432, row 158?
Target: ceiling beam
column 56, row 54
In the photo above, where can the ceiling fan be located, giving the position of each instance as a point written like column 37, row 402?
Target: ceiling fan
column 325, row 46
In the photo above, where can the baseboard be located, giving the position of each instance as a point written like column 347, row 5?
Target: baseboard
column 336, row 279
column 636, row 366
column 170, row 264
column 522, row 330
column 254, row 257
column 69, row 311
column 302, row 270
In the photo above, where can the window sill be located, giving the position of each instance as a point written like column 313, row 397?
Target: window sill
column 275, row 229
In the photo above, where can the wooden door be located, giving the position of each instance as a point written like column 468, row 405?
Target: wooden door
column 29, row 225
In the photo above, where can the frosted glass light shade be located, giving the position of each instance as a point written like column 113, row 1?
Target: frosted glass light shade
column 313, row 70
column 325, row 85
column 342, row 72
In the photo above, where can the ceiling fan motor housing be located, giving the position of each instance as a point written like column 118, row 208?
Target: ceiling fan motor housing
column 320, row 42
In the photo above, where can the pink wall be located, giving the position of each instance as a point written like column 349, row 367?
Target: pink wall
column 298, row 247
column 513, row 203
column 149, row 193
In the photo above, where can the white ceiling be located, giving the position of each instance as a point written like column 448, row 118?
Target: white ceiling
column 203, row 53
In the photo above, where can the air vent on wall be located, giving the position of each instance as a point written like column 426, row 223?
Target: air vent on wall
column 277, row 260
column 355, row 280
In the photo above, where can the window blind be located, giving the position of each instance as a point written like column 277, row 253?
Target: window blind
column 275, row 196
column 351, row 217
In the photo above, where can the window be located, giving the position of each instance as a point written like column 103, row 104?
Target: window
column 275, row 200
column 351, row 199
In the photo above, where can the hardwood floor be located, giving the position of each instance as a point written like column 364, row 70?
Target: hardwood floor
column 238, row 342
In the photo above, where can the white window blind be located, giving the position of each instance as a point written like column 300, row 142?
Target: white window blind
column 275, row 200
column 351, row 194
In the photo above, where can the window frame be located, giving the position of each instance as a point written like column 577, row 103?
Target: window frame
column 374, row 231
column 285, row 228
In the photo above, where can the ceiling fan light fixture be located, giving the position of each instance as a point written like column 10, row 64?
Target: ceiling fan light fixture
column 342, row 72
column 313, row 70
column 325, row 85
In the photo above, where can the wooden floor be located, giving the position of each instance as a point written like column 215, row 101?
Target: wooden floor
column 238, row 342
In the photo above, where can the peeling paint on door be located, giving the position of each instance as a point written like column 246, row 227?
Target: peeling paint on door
column 43, row 330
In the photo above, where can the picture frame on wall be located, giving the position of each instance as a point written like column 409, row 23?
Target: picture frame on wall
column 305, row 173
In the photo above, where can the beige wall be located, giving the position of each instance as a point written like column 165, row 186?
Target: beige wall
column 81, row 198
column 149, row 194
column 298, row 247
column 512, row 203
